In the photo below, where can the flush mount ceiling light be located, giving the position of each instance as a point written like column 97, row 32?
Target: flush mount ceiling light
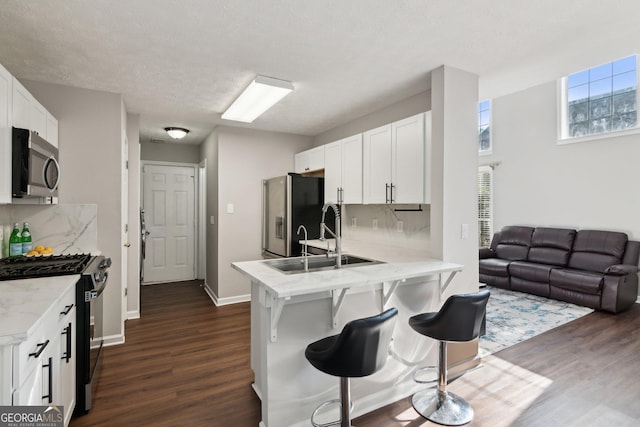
column 258, row 97
column 177, row 133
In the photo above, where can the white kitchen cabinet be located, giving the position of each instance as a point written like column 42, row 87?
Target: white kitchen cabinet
column 21, row 105
column 343, row 171
column 309, row 160
column 38, row 118
column 52, row 130
column 6, row 97
column 394, row 159
column 43, row 367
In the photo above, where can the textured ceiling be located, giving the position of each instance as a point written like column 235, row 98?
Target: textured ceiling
column 181, row 63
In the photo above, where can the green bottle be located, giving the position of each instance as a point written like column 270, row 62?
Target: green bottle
column 15, row 242
column 27, row 244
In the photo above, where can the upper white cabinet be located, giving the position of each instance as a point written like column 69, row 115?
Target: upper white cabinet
column 343, row 171
column 309, row 160
column 38, row 118
column 6, row 97
column 18, row 108
column 394, row 159
column 52, row 130
column 21, row 107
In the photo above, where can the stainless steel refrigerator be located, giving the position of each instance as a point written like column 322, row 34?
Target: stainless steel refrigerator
column 288, row 202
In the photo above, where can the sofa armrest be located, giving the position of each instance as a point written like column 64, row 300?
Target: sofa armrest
column 621, row 270
column 486, row 253
column 619, row 290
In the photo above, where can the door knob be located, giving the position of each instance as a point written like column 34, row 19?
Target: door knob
column 127, row 245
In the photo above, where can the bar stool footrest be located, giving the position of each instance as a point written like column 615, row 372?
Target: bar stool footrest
column 324, row 405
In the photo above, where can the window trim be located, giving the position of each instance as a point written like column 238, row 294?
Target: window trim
column 563, row 125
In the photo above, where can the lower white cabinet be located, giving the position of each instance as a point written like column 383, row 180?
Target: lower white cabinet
column 44, row 365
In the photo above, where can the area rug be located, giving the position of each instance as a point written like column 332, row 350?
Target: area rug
column 513, row 317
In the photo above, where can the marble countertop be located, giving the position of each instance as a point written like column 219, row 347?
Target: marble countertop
column 24, row 302
column 395, row 266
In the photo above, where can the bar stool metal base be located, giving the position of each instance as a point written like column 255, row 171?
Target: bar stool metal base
column 442, row 407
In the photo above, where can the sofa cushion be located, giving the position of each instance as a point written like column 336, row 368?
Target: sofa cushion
column 494, row 267
column 514, row 243
column 595, row 250
column 530, row 271
column 551, row 245
column 576, row 280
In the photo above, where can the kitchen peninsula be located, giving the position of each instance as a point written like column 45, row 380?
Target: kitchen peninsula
column 289, row 311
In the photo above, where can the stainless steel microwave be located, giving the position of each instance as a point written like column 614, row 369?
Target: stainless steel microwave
column 35, row 167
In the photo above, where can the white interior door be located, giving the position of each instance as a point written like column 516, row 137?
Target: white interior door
column 169, row 209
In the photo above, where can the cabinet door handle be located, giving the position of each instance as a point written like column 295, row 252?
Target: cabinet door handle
column 67, row 309
column 40, row 348
column 391, row 198
column 67, row 354
column 386, row 193
column 341, row 195
column 338, row 195
column 49, row 365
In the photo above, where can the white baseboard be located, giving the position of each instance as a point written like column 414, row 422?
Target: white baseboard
column 225, row 301
column 135, row 314
column 113, row 340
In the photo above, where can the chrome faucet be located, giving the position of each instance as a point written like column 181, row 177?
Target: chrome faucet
column 335, row 235
column 305, row 251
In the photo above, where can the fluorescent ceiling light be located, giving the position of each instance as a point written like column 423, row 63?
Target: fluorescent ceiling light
column 258, row 97
column 177, row 133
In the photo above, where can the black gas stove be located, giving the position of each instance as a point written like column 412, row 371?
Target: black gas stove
column 43, row 266
column 94, row 275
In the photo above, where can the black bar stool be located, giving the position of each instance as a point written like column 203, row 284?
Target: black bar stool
column 358, row 351
column 460, row 319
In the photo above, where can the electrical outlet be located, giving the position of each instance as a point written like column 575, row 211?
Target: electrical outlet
column 399, row 226
column 354, row 222
column 374, row 224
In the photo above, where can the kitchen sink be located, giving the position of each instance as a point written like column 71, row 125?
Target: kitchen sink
column 317, row 263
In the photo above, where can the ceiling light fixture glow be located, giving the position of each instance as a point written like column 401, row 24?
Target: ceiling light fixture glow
column 258, row 97
column 177, row 133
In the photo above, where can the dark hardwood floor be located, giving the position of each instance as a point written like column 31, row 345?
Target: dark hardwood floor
column 186, row 363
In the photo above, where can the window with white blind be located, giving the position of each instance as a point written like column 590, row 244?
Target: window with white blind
column 485, row 206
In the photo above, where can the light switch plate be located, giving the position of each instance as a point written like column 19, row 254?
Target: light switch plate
column 354, row 222
column 464, row 231
column 229, row 208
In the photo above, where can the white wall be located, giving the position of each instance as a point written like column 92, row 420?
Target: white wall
column 454, row 157
column 90, row 124
column 245, row 158
column 400, row 110
column 177, row 153
column 133, row 261
column 209, row 151
column 538, row 182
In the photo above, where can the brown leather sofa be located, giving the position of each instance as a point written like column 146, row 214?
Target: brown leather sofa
column 592, row 268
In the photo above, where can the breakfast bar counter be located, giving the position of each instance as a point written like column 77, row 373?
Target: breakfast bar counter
column 290, row 311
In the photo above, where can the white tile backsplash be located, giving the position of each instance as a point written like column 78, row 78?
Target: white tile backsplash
column 379, row 225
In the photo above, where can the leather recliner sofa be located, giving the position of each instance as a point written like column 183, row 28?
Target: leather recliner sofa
column 592, row 268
